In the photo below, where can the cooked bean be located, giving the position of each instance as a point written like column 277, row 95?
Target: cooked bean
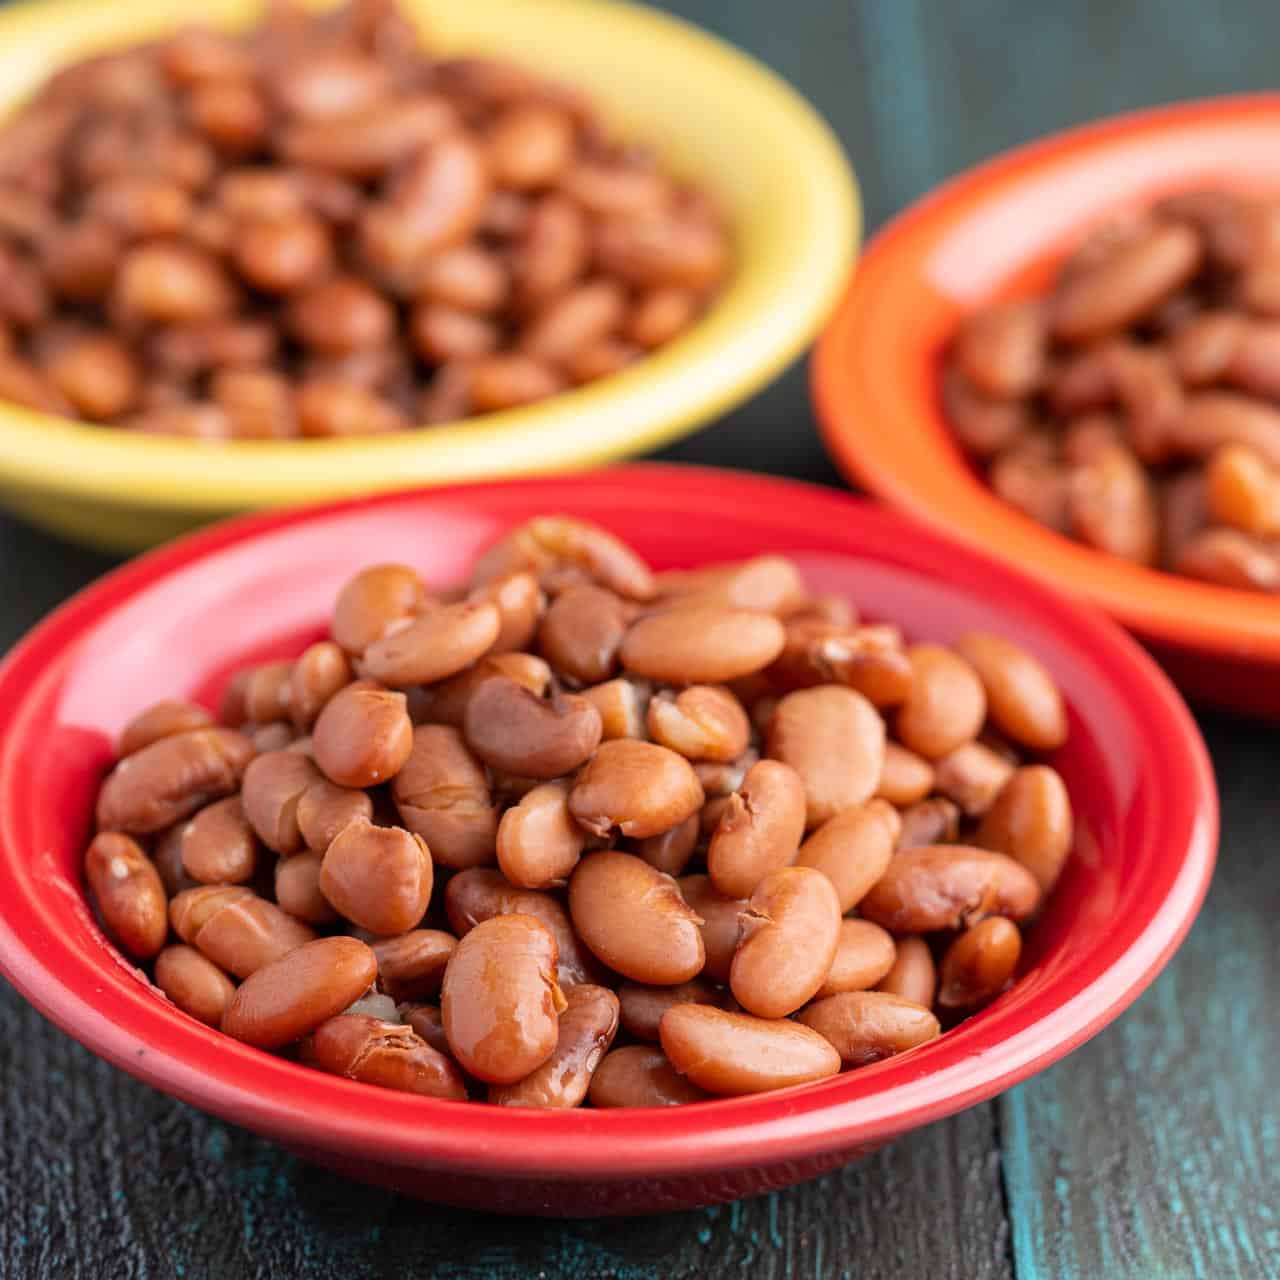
column 585, row 1031
column 760, row 830
column 411, row 966
column 946, row 886
column 853, row 849
column 161, row 720
column 913, row 975
column 1002, row 349
column 240, row 934
column 441, row 794
column 719, row 927
column 314, row 678
column 196, row 985
column 1022, row 698
column 983, row 424
column 735, row 1053
column 514, row 731
column 868, row 1026
column 834, row 739
column 1126, row 284
column 972, row 776
column 427, row 1022
column 581, row 632
column 218, row 844
column 378, row 877
column 643, row 1006
column 947, row 703
column 129, row 894
column 387, row 1054
column 1243, row 491
column 297, row 884
column 547, row 543
column 623, row 707
column 363, row 736
column 870, row 660
column 633, row 919
column 538, row 841
column 1112, row 506
column 519, row 604
column 172, row 778
column 98, row 375
column 702, row 722
column 786, row 942
column 701, row 645
column 905, row 776
column 273, row 786
column 979, row 963
column 167, row 857
column 764, row 584
column 1230, row 559
column 376, row 601
column 446, row 702
column 638, row 788
column 639, row 1075
column 500, row 1000
column 172, row 283
column 480, row 894
column 324, row 810
column 1031, row 822
column 670, row 852
column 932, row 821
column 266, row 692
column 282, row 1001
column 865, row 955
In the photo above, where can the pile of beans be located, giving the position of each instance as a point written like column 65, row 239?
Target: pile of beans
column 1135, row 408
column 480, row 836
column 316, row 229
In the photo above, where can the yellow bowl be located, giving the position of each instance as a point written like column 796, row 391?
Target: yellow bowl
column 716, row 115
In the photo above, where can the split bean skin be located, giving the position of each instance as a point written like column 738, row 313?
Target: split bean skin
column 1150, row 366
column 787, row 939
column 859, row 823
column 585, row 1031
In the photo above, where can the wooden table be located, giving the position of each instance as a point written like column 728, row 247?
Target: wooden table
column 1152, row 1152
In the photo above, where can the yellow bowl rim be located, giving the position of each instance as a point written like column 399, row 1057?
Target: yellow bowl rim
column 661, row 398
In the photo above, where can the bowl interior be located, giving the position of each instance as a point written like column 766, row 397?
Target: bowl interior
column 784, row 183
column 176, row 622
column 996, row 232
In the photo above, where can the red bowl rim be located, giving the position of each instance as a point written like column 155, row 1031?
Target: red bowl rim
column 915, row 466
column 322, row 1112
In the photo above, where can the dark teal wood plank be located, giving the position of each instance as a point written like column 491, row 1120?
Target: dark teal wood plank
column 1155, row 1150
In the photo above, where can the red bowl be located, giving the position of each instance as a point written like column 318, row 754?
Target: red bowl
column 175, row 622
column 999, row 231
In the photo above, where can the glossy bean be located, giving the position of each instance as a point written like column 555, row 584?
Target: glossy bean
column 411, row 966
column 760, row 830
column 538, row 840
column 865, row 955
column 670, row 852
column 914, row 976
column 387, row 1054
column 905, row 777
column 378, row 877
column 363, row 736
column 701, row 722
column 1022, row 698
column 514, row 731
column 128, row 892
column 1031, row 821
column 719, row 927
column 869, row 1026
column 161, row 720
column 853, row 849
column 701, row 645
column 219, row 845
column 273, row 786
column 979, row 963
column 639, row 1075
column 638, row 788
column 947, row 703
column 297, row 885
column 195, row 984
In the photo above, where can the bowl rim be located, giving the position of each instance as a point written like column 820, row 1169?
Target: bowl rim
column 667, row 394
column 294, row 1104
column 917, row 467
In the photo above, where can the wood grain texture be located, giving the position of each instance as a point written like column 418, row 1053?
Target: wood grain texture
column 1155, row 1150
column 1150, row 1153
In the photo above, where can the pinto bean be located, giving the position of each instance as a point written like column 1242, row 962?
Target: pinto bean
column 129, row 894
column 282, row 1001
column 947, row 703
column 623, row 707
column 585, row 1031
column 865, row 955
column 538, row 841
column 853, row 849
column 869, row 1026
column 171, row 778
column 1022, row 697
column 633, row 919
column 945, row 886
column 161, row 720
column 480, row 894
column 639, row 788
column 643, row 1006
column 514, row 731
column 979, row 963
column 972, row 776
column 218, row 844
column 905, row 777
column 363, row 736
column 834, row 739
column 760, row 830
column 500, row 1001
column 702, row 722
column 701, row 645
column 412, row 966
column 735, row 1053
column 240, row 933
column 387, row 1054
column 297, row 884
column 719, row 927
column 1031, row 822
column 913, row 975
column 441, row 794
column 581, row 632
column 378, row 877
column 787, row 941
column 670, row 852
column 639, row 1075
column 195, row 984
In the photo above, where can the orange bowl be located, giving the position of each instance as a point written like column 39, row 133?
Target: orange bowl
column 996, row 231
